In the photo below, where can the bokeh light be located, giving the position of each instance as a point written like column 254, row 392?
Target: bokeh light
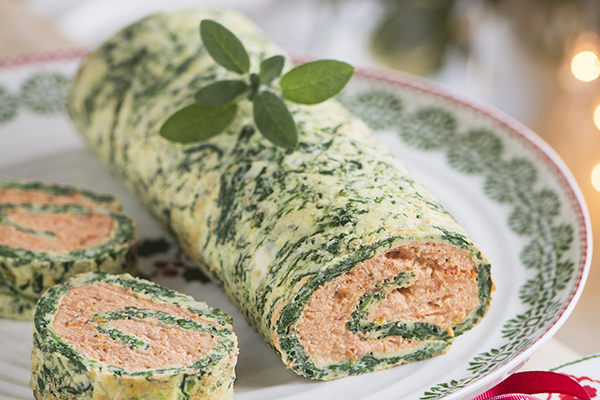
column 585, row 66
column 596, row 177
column 597, row 116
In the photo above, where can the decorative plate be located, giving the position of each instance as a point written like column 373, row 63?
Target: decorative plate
column 508, row 189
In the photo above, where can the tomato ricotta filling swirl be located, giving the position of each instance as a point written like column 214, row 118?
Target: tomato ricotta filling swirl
column 390, row 303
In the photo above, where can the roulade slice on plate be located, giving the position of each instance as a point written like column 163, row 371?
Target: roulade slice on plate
column 49, row 233
column 102, row 336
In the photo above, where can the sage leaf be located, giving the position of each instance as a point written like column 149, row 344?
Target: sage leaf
column 315, row 81
column 274, row 120
column 196, row 123
column 220, row 93
column 224, row 47
column 254, row 86
column 270, row 69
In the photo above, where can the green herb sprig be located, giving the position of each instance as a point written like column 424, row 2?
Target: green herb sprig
column 216, row 105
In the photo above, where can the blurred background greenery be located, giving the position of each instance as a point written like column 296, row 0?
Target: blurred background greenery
column 413, row 35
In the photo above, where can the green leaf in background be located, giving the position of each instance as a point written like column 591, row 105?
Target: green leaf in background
column 270, row 69
column 220, row 93
column 315, row 81
column 224, row 47
column 274, row 121
column 195, row 123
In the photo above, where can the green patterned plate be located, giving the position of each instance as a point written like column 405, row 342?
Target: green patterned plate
column 502, row 183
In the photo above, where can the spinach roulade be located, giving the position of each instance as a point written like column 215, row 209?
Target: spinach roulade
column 333, row 253
column 101, row 336
column 49, row 233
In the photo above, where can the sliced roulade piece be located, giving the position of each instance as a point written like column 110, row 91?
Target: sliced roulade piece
column 42, row 245
column 332, row 252
column 102, row 336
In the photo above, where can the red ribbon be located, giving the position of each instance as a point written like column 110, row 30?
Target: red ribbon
column 522, row 384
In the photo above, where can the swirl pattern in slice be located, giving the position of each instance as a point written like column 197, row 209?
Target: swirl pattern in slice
column 49, row 233
column 105, row 336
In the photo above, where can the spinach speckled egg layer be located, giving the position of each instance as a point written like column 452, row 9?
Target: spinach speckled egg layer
column 333, row 253
column 102, row 336
column 43, row 245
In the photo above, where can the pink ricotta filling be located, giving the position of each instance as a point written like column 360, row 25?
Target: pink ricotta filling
column 444, row 292
column 169, row 346
column 69, row 231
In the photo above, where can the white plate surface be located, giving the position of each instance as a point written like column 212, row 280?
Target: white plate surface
column 501, row 182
